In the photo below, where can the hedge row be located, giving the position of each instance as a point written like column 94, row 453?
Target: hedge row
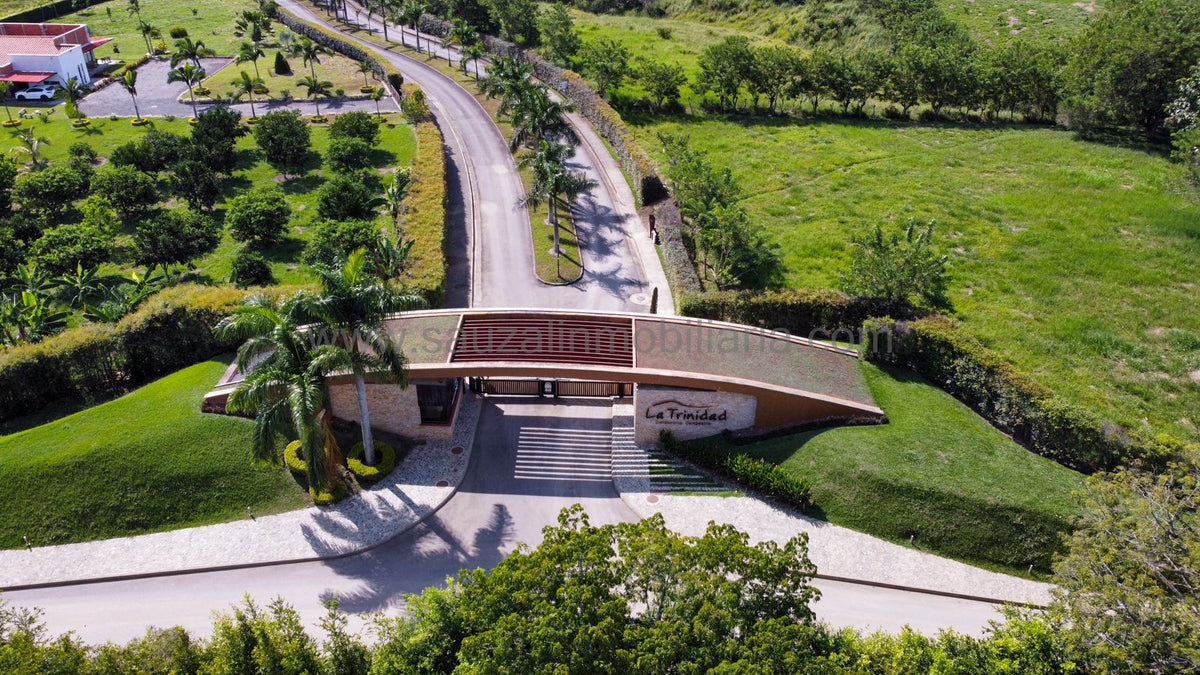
column 333, row 41
column 936, row 348
column 819, row 314
column 171, row 330
column 752, row 472
column 425, row 222
column 679, row 267
column 642, row 172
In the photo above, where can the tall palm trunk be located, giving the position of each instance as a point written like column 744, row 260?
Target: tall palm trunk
column 192, row 94
column 554, row 224
column 364, row 415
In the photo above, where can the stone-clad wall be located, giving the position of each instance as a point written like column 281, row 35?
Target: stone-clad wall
column 392, row 409
column 689, row 413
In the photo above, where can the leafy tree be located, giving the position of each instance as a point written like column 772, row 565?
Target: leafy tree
column 414, row 107
column 772, row 72
column 285, row 390
column 1124, row 67
column 1130, row 580
column 196, row 184
column 215, row 136
column 63, row 248
column 258, row 217
column 559, row 34
column 250, row 268
column 904, row 81
column 606, row 63
column 902, row 271
column 12, row 249
column 348, row 154
column 82, row 158
column 98, row 212
column 154, row 152
column 356, row 124
column 48, row 194
column 351, row 309
column 130, row 191
column 516, row 20
column 661, row 81
column 8, row 180
column 1183, row 116
column 725, row 68
column 334, row 240
column 283, row 138
column 174, row 237
column 347, row 197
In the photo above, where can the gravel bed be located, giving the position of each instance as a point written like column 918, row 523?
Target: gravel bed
column 402, row 499
column 836, row 551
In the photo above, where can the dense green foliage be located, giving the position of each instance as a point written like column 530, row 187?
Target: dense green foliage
column 250, row 268
column 367, row 472
column 335, row 239
column 897, row 272
column 258, row 217
column 89, row 468
column 283, row 136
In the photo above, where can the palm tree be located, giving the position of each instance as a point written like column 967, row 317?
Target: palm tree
column 351, row 307
column 284, row 386
column 551, row 178
column 135, row 8
column 5, row 89
column 249, row 52
column 461, row 35
column 188, row 50
column 129, row 81
column 474, row 52
column 310, row 52
column 509, row 79
column 148, row 32
column 377, row 96
column 536, row 116
column 317, row 89
column 412, row 11
column 74, row 90
column 246, row 86
column 385, row 10
column 191, row 75
column 33, row 145
column 397, row 190
column 365, row 69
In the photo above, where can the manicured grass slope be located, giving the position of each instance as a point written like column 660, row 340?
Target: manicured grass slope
column 1075, row 260
column 146, row 462
column 396, row 147
column 936, row 471
column 212, row 22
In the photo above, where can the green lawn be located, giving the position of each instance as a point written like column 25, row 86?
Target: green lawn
column 989, row 20
column 211, row 22
column 397, row 147
column 1075, row 260
column 146, row 462
column 340, row 71
column 936, row 472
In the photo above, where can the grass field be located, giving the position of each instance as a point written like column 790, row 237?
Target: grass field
column 340, row 71
column 935, row 472
column 211, row 22
column 1075, row 260
column 990, row 20
column 396, row 147
column 146, row 462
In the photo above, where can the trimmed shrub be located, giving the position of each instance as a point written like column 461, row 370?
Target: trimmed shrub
column 387, row 462
column 681, row 271
column 250, row 268
column 752, row 472
column 818, row 314
column 327, row 498
column 356, row 124
column 292, row 459
column 414, row 106
column 425, row 221
column 348, row 154
column 178, row 32
column 281, row 64
column 1031, row 414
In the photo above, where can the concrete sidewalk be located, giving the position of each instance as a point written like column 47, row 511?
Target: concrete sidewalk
column 408, row 495
column 837, row 551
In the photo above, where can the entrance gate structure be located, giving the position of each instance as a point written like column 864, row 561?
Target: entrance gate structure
column 488, row 386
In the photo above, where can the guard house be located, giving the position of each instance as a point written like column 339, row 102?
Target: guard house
column 47, row 52
column 692, row 377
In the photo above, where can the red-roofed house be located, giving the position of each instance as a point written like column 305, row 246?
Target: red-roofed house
column 39, row 52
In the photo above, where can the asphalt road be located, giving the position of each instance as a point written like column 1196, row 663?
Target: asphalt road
column 495, row 225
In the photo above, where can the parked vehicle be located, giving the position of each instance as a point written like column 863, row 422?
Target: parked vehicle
column 37, row 92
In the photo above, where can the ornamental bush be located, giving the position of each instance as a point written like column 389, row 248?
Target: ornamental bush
column 293, row 460
column 387, row 462
column 281, row 64
column 324, row 498
column 258, row 217
column 357, row 124
column 752, row 472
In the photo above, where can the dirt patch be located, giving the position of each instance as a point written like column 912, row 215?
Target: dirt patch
column 1194, row 376
column 1013, row 21
column 1089, row 6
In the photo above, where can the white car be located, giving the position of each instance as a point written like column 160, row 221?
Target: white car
column 37, row 92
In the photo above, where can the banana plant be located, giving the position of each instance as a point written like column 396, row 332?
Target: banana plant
column 79, row 286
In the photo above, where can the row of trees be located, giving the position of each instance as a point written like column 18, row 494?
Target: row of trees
column 639, row 598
